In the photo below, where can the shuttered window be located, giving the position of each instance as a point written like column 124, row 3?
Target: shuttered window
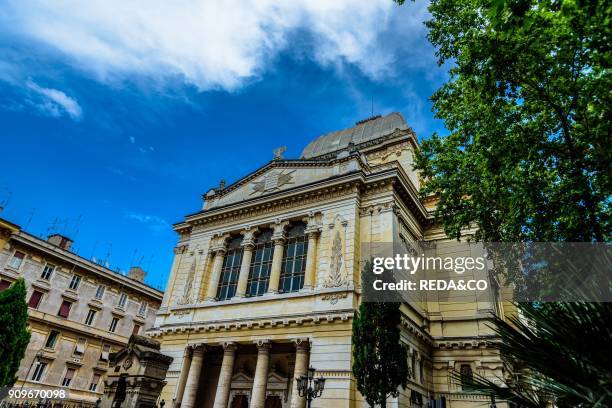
column 35, row 299
column 64, row 310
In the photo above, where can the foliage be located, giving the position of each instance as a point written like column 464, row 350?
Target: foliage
column 380, row 361
column 14, row 336
column 558, row 351
column 527, row 104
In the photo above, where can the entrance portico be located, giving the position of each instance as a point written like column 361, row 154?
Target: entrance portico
column 256, row 374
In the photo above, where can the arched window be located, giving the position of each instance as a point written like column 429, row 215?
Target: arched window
column 261, row 264
column 230, row 270
column 294, row 259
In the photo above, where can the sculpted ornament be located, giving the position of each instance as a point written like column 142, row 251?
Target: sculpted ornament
column 273, row 180
column 337, row 272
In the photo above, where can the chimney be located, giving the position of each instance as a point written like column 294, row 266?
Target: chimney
column 137, row 273
column 60, row 241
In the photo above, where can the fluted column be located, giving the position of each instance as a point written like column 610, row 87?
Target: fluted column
column 193, row 379
column 311, row 265
column 302, row 356
column 213, row 283
column 225, row 376
column 313, row 229
column 180, row 387
column 260, row 382
column 248, row 243
column 277, row 256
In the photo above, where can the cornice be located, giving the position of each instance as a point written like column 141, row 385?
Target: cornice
column 308, row 193
column 253, row 323
column 33, row 242
column 284, row 163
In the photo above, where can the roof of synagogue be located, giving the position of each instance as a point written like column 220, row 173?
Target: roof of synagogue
column 363, row 131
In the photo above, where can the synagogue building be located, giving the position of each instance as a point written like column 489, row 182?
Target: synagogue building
column 266, row 280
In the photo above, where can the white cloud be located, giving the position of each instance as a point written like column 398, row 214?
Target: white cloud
column 212, row 44
column 54, row 102
column 152, row 221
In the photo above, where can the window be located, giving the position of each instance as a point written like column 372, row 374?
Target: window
column 52, row 339
column 294, row 259
column 136, row 329
column 75, row 282
column 35, row 299
column 466, row 373
column 143, row 308
column 94, row 382
column 90, row 317
column 261, row 265
column 105, row 353
column 413, row 365
column 17, row 260
column 421, row 371
column 68, row 377
column 47, row 272
column 113, row 325
column 100, row 291
column 4, row 284
column 64, row 310
column 79, row 348
column 230, row 270
column 39, row 370
column 122, row 300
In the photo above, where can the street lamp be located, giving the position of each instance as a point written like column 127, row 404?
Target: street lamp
column 310, row 387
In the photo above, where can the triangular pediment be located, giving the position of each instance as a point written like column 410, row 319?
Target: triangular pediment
column 276, row 176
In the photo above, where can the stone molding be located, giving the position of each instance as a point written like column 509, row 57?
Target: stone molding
column 238, row 324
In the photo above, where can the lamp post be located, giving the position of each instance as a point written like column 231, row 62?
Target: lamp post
column 310, row 387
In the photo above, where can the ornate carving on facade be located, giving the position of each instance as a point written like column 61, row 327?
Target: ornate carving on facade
column 279, row 229
column 186, row 298
column 384, row 154
column 333, row 298
column 272, row 181
column 337, row 270
column 249, row 236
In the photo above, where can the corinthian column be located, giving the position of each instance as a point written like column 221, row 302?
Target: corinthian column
column 313, row 229
column 248, row 243
column 302, row 355
column 218, row 248
column 225, row 376
column 260, row 382
column 193, row 379
column 277, row 257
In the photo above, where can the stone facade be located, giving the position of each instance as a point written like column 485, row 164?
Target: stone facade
column 101, row 307
column 266, row 280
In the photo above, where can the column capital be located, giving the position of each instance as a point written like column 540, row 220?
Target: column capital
column 248, row 240
column 279, row 230
column 263, row 344
column 302, row 344
column 218, row 243
column 180, row 249
column 229, row 346
column 198, row 350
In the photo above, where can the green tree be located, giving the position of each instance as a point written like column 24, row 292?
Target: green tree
column 380, row 363
column 569, row 363
column 527, row 104
column 14, row 336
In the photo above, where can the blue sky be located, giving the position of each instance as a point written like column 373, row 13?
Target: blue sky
column 115, row 118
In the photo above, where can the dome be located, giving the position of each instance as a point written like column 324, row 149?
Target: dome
column 363, row 131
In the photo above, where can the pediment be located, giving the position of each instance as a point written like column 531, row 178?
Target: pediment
column 278, row 176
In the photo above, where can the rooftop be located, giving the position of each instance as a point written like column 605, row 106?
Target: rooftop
column 363, row 131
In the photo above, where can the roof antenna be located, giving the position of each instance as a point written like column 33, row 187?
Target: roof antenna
column 27, row 225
